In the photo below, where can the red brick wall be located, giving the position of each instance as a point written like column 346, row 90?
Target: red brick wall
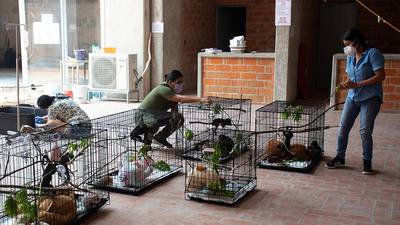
column 249, row 78
column 199, row 30
column 391, row 85
column 381, row 35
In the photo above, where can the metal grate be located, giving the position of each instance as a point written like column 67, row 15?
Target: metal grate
column 293, row 139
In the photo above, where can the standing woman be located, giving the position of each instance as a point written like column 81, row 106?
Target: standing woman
column 365, row 73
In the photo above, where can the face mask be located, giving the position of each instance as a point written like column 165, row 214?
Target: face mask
column 349, row 50
column 178, row 88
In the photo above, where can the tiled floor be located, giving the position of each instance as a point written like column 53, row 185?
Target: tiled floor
column 326, row 197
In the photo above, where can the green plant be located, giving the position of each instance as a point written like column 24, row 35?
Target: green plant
column 218, row 188
column 188, row 134
column 73, row 148
column 216, row 156
column 217, row 108
column 293, row 112
column 20, row 205
column 162, row 166
column 144, row 150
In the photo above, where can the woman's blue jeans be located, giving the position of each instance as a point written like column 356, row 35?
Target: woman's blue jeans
column 368, row 111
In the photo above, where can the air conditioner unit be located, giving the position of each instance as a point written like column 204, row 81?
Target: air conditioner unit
column 114, row 73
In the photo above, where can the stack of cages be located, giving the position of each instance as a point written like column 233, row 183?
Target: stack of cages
column 134, row 166
column 44, row 177
column 219, row 151
column 290, row 135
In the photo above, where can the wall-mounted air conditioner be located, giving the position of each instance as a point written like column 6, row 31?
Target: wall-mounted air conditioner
column 113, row 73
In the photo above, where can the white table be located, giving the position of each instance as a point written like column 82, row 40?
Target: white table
column 71, row 67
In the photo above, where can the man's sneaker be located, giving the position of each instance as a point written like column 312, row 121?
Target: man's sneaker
column 336, row 162
column 162, row 141
column 367, row 167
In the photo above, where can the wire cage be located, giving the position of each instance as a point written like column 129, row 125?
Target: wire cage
column 28, row 94
column 134, row 166
column 290, row 135
column 222, row 181
column 44, row 178
column 225, row 116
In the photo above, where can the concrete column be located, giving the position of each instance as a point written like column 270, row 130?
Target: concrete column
column 166, row 53
column 286, row 56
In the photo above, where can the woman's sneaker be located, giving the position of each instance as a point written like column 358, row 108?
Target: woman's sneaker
column 336, row 162
column 367, row 168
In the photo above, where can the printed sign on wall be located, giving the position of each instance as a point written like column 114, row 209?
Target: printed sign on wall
column 283, row 12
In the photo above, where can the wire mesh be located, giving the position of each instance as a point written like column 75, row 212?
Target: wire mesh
column 133, row 166
column 219, row 149
column 44, row 178
column 294, row 141
column 200, row 120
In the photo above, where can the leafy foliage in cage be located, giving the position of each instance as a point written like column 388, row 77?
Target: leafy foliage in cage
column 225, row 120
column 44, row 178
column 226, row 172
column 133, row 166
column 290, row 135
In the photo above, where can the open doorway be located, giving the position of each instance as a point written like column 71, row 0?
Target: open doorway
column 231, row 21
column 335, row 18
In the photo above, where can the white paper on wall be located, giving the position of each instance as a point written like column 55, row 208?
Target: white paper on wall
column 157, row 27
column 283, row 12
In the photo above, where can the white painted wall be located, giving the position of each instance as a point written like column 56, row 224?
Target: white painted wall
column 123, row 26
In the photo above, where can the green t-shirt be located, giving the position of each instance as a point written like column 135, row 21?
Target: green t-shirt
column 157, row 99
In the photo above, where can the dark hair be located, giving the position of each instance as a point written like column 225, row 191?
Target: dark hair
column 45, row 101
column 173, row 75
column 355, row 34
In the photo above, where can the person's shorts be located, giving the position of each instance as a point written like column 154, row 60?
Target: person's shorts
column 78, row 130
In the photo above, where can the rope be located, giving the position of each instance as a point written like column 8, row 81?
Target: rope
column 380, row 19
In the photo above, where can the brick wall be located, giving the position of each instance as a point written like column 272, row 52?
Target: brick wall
column 391, row 85
column 260, row 23
column 249, row 78
column 381, row 35
column 199, row 30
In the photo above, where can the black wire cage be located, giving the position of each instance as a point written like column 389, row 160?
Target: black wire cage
column 133, row 166
column 219, row 150
column 225, row 118
column 44, row 178
column 290, row 135
column 222, row 181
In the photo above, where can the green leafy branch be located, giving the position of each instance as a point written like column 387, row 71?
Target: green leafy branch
column 218, row 188
column 188, row 134
column 19, row 204
column 216, row 156
column 293, row 112
column 162, row 166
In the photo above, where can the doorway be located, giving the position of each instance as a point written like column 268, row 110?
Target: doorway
column 335, row 19
column 231, row 22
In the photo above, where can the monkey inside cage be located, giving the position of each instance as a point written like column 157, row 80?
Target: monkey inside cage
column 225, row 119
column 44, row 177
column 222, row 181
column 135, row 163
column 290, row 135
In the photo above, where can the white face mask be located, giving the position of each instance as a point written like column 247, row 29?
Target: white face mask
column 178, row 88
column 349, row 50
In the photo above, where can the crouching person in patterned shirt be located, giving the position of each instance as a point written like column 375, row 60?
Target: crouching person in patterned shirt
column 66, row 116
